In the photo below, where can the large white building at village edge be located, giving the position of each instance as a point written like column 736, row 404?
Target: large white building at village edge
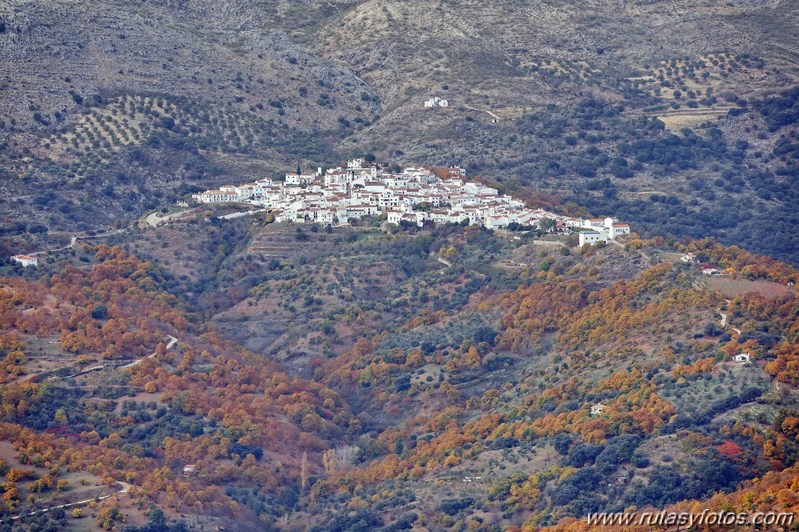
column 416, row 195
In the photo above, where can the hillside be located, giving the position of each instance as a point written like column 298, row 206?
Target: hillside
column 421, row 394
column 108, row 376
column 658, row 112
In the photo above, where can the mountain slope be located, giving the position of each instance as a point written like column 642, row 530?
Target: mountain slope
column 219, row 92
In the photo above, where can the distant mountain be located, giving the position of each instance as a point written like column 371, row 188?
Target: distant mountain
column 147, row 101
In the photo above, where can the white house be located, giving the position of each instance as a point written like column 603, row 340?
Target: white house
column 743, row 358
column 394, row 216
column 189, row 468
column 299, row 179
column 387, row 199
column 479, row 188
column 614, row 229
column 337, row 177
column 442, row 216
column 417, row 218
column 320, row 215
column 617, row 230
column 496, row 221
column 25, row 260
column 597, row 409
column 436, row 102
column 594, row 223
column 592, row 237
column 525, row 217
column 215, row 196
column 688, row 258
column 374, row 186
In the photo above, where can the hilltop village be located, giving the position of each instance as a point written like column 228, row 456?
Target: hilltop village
column 414, row 196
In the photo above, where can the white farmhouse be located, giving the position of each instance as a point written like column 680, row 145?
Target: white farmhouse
column 25, row 260
column 436, row 102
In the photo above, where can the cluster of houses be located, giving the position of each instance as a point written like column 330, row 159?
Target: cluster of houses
column 414, row 196
column 707, row 269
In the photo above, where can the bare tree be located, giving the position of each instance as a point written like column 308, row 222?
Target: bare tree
column 341, row 457
column 304, row 472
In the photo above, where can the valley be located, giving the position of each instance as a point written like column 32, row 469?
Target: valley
column 475, row 379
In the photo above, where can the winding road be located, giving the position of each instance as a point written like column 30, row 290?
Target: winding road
column 444, row 261
column 482, row 111
column 153, row 220
column 74, row 240
column 125, row 488
column 169, row 345
column 241, row 214
column 723, row 320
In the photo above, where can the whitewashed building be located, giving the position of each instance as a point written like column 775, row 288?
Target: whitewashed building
column 592, row 237
column 436, row 102
column 25, row 260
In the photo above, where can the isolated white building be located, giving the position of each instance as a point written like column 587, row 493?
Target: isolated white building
column 25, row 260
column 436, row 102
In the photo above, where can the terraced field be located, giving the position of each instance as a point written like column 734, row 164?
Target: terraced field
column 565, row 69
column 100, row 132
column 702, row 89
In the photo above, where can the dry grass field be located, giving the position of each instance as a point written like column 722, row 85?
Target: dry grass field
column 734, row 287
